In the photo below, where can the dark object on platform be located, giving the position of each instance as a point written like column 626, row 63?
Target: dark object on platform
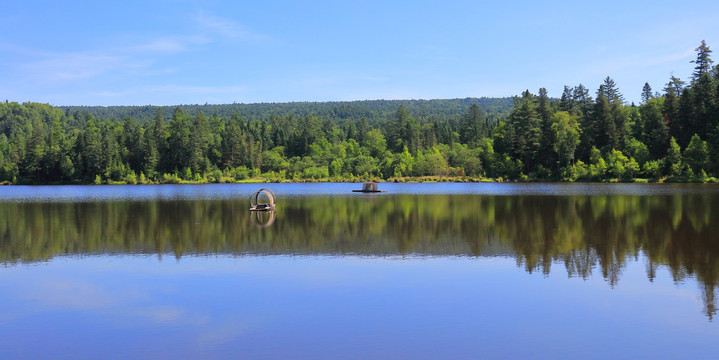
column 369, row 187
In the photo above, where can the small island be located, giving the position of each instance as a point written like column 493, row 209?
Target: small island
column 369, row 187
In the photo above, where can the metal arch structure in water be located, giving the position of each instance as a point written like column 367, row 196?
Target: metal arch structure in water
column 256, row 205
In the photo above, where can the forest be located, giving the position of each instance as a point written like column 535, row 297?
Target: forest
column 672, row 135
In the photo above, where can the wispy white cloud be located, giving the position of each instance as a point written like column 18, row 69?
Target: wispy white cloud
column 167, row 94
column 174, row 89
column 225, row 27
column 80, row 65
column 668, row 58
column 144, row 57
column 168, row 44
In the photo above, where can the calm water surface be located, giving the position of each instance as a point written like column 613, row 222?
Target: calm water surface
column 422, row 271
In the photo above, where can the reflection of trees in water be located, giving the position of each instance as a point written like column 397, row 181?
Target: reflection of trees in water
column 585, row 233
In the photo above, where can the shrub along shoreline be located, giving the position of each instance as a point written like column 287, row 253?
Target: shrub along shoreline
column 173, row 179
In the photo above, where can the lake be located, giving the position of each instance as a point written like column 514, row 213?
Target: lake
column 423, row 271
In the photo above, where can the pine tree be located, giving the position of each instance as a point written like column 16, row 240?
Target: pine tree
column 602, row 124
column 528, row 127
column 611, row 91
column 132, row 140
column 581, row 98
column 646, row 93
column 160, row 143
column 670, row 109
column 111, row 159
column 233, row 145
column 33, row 163
column 705, row 120
column 703, row 61
column 200, row 140
column 403, row 131
column 546, row 155
column 686, row 117
column 656, row 130
column 92, row 150
column 150, row 155
column 56, row 153
column 566, row 102
column 472, row 125
column 178, row 142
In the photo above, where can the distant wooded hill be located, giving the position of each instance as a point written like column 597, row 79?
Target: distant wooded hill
column 374, row 111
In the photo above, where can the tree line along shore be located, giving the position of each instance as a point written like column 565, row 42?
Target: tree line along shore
column 672, row 135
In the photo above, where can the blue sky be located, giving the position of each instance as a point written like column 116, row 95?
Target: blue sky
column 167, row 52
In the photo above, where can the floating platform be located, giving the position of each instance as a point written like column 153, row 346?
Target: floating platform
column 369, row 187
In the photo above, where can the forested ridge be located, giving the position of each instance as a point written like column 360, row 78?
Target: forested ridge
column 672, row 135
column 373, row 111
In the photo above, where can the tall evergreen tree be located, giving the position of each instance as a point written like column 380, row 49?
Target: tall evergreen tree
column 150, row 154
column 687, row 117
column 544, row 110
column 33, row 163
column 233, row 145
column 178, row 142
column 703, row 61
column 133, row 142
column 92, row 150
column 566, row 102
column 670, row 109
column 472, row 124
column 581, row 96
column 705, row 119
column 602, row 124
column 611, row 91
column 200, row 140
column 56, row 165
column 160, row 143
column 403, row 131
column 656, row 130
column 111, row 159
column 528, row 127
column 646, row 93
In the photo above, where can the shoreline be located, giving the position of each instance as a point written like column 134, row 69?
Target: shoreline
column 417, row 180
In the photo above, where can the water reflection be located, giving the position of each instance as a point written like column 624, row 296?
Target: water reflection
column 263, row 219
column 588, row 235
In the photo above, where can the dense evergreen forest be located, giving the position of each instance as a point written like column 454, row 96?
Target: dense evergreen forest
column 373, row 111
column 673, row 135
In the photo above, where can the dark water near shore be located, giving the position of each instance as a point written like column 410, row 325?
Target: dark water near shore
column 422, row 271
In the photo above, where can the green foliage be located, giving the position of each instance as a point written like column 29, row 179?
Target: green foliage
column 673, row 160
column 696, row 155
column 637, row 150
column 575, row 138
column 652, row 169
column 430, row 163
column 466, row 160
column 565, row 135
